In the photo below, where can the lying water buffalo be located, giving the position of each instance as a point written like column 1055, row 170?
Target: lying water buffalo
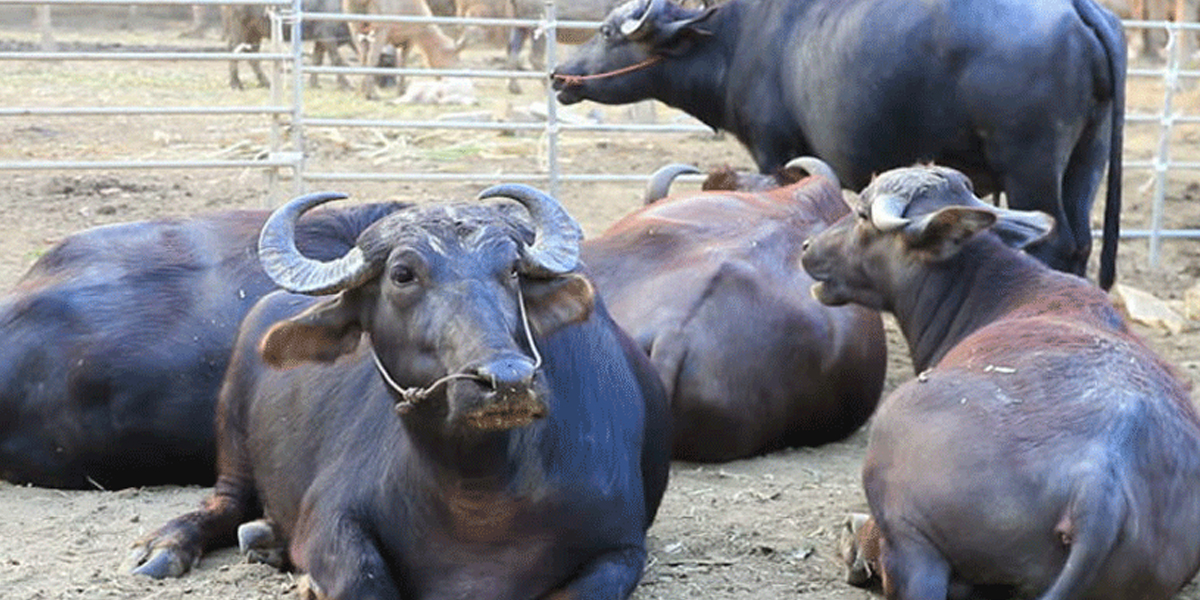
column 710, row 286
column 116, row 340
column 1025, row 96
column 460, row 418
column 1043, row 450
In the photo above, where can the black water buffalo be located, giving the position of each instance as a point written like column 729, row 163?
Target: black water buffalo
column 1025, row 96
column 710, row 286
column 461, row 419
column 1043, row 450
column 116, row 340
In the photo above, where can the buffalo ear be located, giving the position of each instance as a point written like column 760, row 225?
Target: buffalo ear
column 940, row 235
column 555, row 303
column 321, row 333
column 673, row 38
column 1020, row 228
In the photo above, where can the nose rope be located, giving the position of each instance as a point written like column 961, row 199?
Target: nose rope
column 410, row 396
column 573, row 80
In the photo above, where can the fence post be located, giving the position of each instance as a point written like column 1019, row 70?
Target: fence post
column 552, row 125
column 1162, row 158
column 297, row 131
column 46, row 28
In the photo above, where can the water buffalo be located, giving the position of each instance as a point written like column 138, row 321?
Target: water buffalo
column 116, row 340
column 440, row 51
column 709, row 285
column 1043, row 450
column 247, row 25
column 1025, row 96
column 461, row 418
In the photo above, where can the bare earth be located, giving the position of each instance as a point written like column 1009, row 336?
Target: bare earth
column 759, row 528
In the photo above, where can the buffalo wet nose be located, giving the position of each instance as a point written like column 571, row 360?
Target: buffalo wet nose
column 506, row 373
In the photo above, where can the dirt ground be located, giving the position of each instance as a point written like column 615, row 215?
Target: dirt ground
column 764, row 527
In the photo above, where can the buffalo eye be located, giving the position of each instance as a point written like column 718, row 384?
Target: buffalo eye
column 403, row 275
column 607, row 31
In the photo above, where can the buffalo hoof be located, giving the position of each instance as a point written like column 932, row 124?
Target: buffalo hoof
column 514, row 87
column 158, row 563
column 259, row 543
column 859, row 550
column 308, row 589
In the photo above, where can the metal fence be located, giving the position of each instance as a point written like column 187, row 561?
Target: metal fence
column 286, row 160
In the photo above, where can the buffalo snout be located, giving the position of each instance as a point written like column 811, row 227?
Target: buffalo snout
column 502, row 394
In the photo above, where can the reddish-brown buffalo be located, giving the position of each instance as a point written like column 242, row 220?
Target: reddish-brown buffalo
column 710, row 286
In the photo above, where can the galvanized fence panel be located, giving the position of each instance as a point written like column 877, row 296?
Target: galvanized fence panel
column 288, row 111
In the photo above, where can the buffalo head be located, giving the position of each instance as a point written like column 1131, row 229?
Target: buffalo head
column 904, row 221
column 619, row 64
column 452, row 298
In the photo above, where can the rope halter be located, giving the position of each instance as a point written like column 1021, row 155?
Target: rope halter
column 574, row 80
column 411, row 396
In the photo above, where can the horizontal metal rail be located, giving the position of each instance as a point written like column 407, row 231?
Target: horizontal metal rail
column 501, row 125
column 147, row 2
column 144, row 56
column 75, row 111
column 48, row 165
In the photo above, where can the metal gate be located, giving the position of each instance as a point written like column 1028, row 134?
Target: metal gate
column 289, row 171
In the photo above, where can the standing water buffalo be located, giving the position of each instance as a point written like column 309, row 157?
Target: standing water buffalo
column 116, row 340
column 1043, row 450
column 710, row 286
column 1025, row 96
column 461, row 419
column 439, row 50
column 247, row 25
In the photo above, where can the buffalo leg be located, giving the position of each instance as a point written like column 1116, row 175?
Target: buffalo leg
column 516, row 39
column 1081, row 180
column 913, row 570
column 177, row 546
column 612, row 575
column 341, row 560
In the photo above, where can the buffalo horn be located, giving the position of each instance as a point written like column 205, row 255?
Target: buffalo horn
column 814, row 166
column 887, row 212
column 660, row 181
column 638, row 30
column 555, row 247
column 295, row 272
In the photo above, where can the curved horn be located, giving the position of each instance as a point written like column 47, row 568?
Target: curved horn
column 638, row 30
column 555, row 247
column 297, row 273
column 814, row 166
column 887, row 211
column 660, row 181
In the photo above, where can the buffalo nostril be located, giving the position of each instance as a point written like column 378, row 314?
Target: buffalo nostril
column 507, row 373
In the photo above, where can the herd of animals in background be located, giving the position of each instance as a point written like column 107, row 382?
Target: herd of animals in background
column 514, row 393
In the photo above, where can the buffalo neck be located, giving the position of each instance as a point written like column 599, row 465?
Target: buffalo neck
column 950, row 300
column 461, row 453
column 696, row 81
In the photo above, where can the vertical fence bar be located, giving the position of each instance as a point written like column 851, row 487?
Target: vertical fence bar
column 46, row 28
column 552, row 126
column 276, row 96
column 297, row 130
column 1162, row 158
